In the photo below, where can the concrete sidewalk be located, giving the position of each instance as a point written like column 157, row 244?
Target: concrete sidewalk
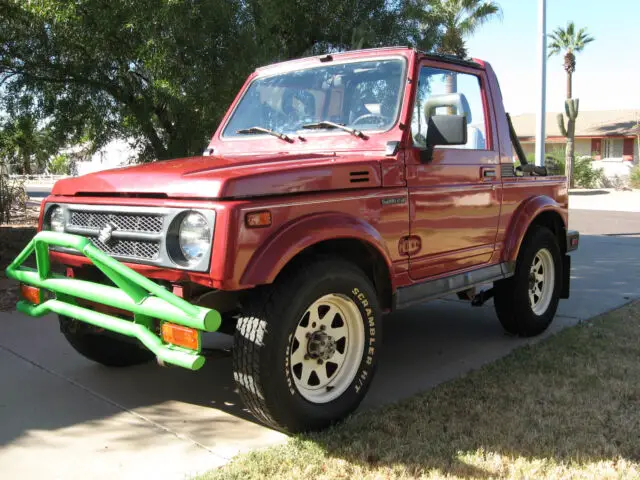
column 605, row 200
column 62, row 416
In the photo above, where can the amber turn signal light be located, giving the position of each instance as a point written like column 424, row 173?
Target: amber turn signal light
column 30, row 294
column 181, row 336
column 258, row 219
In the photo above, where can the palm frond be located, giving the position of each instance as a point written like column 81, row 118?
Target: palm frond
column 457, row 19
column 568, row 39
column 478, row 16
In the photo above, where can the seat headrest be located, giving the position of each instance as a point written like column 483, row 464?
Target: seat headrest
column 455, row 100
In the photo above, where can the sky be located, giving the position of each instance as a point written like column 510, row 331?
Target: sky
column 607, row 73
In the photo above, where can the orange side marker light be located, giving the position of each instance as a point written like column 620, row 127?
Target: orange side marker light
column 181, row 336
column 30, row 294
column 258, row 219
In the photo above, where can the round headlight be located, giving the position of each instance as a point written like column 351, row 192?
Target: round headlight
column 56, row 219
column 194, row 236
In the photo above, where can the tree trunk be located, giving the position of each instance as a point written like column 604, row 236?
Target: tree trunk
column 451, row 86
column 26, row 164
column 570, row 152
column 569, row 85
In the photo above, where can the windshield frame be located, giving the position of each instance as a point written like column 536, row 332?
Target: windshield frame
column 319, row 132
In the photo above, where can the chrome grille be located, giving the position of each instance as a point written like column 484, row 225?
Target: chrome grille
column 132, row 233
column 129, row 248
column 129, row 222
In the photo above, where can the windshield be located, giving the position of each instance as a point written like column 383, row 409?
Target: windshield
column 361, row 95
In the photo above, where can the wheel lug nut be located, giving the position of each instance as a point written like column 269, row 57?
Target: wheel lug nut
column 323, row 327
column 313, row 325
column 320, row 361
column 308, row 335
column 306, row 357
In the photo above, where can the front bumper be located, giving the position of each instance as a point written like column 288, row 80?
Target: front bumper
column 148, row 302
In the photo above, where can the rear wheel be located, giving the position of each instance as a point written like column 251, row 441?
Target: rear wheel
column 306, row 347
column 527, row 302
column 102, row 347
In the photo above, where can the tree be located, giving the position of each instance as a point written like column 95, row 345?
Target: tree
column 164, row 71
column 449, row 23
column 25, row 145
column 455, row 21
column 60, row 164
column 570, row 41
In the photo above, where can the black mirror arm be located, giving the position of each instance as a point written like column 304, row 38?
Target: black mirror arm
column 426, row 154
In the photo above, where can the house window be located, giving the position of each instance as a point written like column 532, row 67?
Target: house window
column 612, row 148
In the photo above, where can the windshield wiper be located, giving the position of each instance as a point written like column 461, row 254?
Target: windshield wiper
column 254, row 130
column 327, row 124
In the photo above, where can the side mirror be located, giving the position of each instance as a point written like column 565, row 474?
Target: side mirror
column 447, row 130
column 444, row 130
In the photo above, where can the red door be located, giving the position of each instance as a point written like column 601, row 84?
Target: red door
column 627, row 149
column 455, row 195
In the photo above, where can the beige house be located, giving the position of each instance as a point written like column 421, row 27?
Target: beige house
column 607, row 135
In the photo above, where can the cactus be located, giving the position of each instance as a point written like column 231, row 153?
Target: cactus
column 571, row 110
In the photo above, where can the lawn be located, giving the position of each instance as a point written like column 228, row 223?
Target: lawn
column 568, row 407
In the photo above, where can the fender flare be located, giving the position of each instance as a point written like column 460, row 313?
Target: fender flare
column 295, row 237
column 522, row 219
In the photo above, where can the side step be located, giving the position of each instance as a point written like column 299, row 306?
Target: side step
column 440, row 287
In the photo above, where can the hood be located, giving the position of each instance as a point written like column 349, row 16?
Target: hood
column 224, row 177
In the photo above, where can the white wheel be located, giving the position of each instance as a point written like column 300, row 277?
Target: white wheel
column 542, row 278
column 327, row 348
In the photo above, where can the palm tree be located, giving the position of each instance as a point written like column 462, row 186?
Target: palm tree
column 459, row 19
column 570, row 41
column 25, row 145
column 456, row 20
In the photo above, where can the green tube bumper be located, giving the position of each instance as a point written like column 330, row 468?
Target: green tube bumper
column 146, row 300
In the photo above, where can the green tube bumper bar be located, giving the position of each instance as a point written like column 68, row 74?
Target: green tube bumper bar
column 145, row 299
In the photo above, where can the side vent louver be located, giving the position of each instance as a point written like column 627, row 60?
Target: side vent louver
column 507, row 170
column 359, row 177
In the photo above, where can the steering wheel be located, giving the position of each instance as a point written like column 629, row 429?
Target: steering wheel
column 371, row 115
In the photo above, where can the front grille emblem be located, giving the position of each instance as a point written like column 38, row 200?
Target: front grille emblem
column 105, row 233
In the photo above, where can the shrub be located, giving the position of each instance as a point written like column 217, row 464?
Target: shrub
column 634, row 177
column 554, row 161
column 12, row 195
column 60, row 164
column 586, row 176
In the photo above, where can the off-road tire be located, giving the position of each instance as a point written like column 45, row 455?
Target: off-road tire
column 265, row 334
column 101, row 347
column 512, row 303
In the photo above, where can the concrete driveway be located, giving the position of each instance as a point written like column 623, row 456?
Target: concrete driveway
column 63, row 417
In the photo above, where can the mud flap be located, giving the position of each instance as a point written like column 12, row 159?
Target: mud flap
column 566, row 276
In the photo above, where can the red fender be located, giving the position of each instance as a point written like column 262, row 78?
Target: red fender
column 303, row 233
column 522, row 219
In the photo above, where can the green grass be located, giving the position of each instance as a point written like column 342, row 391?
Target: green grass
column 568, row 407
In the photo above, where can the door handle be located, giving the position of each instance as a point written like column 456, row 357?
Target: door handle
column 489, row 173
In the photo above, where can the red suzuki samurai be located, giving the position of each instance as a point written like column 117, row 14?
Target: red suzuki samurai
column 337, row 188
